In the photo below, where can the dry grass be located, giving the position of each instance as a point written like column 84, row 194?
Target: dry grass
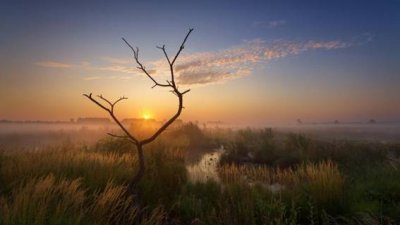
column 80, row 185
column 48, row 201
column 324, row 172
column 323, row 180
column 96, row 168
column 73, row 185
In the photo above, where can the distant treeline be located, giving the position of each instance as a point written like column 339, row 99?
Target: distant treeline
column 85, row 120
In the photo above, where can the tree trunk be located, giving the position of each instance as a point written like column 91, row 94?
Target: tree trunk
column 133, row 187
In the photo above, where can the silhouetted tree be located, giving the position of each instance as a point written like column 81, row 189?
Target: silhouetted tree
column 109, row 106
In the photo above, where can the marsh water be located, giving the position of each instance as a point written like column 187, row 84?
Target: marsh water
column 206, row 167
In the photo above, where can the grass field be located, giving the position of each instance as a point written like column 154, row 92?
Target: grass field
column 265, row 177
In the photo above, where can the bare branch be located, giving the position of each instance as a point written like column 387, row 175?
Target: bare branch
column 104, row 99
column 141, row 67
column 171, row 64
column 169, row 84
column 176, row 92
column 173, row 92
column 130, row 46
column 185, row 91
column 112, row 104
column 111, row 112
column 182, row 46
column 118, row 100
column 135, row 140
column 165, row 53
column 89, row 96
column 127, row 135
column 169, row 122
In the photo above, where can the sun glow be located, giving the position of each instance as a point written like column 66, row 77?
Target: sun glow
column 146, row 116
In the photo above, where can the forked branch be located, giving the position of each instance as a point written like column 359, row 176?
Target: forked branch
column 181, row 47
column 140, row 65
column 110, row 110
column 109, row 106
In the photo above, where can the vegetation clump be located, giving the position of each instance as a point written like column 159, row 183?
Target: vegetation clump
column 322, row 183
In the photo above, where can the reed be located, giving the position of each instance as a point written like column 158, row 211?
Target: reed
column 70, row 184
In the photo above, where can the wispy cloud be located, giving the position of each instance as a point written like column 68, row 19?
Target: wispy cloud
column 92, row 78
column 269, row 24
column 114, row 60
column 120, row 77
column 115, row 68
column 113, row 65
column 238, row 61
column 53, row 64
column 89, row 78
column 214, row 66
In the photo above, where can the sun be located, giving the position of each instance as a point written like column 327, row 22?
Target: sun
column 146, row 116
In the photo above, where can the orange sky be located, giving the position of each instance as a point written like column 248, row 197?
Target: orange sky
column 247, row 63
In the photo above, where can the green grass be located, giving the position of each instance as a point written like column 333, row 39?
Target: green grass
column 266, row 178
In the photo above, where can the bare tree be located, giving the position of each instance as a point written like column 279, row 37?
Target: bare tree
column 109, row 106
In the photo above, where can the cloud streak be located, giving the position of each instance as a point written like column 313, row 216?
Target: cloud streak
column 92, row 78
column 116, row 60
column 89, row 78
column 269, row 24
column 214, row 66
column 238, row 61
column 113, row 65
column 53, row 64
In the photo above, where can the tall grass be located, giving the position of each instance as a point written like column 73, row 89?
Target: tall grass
column 310, row 182
column 325, row 173
column 68, row 162
column 46, row 200
column 322, row 182
column 79, row 185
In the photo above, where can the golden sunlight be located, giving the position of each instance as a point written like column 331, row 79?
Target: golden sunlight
column 146, row 115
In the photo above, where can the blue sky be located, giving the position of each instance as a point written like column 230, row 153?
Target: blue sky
column 328, row 59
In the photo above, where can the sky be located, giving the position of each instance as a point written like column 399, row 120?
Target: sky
column 248, row 62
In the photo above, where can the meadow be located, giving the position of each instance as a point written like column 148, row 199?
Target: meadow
column 264, row 176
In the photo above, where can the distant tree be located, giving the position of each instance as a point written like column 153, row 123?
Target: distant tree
column 109, row 106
